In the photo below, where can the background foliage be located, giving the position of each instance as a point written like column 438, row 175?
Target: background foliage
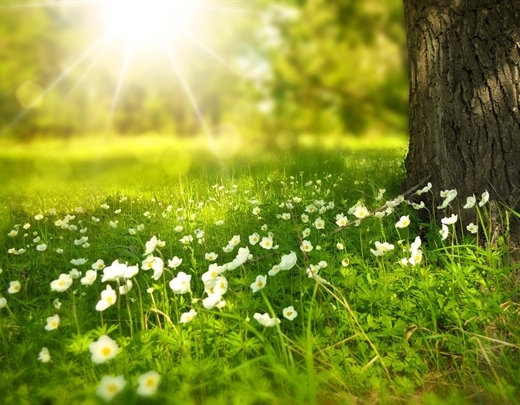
column 297, row 67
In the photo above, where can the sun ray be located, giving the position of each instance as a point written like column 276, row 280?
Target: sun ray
column 191, row 98
column 117, row 92
column 91, row 65
column 56, row 81
column 215, row 55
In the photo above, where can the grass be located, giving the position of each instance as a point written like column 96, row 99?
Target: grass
column 370, row 326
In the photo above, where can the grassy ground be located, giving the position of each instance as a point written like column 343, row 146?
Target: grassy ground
column 284, row 307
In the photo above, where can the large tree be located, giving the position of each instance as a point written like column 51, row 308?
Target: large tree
column 464, row 61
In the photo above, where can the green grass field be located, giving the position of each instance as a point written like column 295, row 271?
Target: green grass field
column 156, row 271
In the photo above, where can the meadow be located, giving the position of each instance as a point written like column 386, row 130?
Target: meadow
column 153, row 270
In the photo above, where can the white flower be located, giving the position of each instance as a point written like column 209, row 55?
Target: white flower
column 381, row 248
column 44, row 355
column 114, row 271
column 319, row 223
column 63, row 282
column 266, row 243
column 211, row 256
column 254, row 239
column 38, row 217
column 305, row 218
column 75, row 274
column 56, row 303
column 425, row 189
column 472, row 228
column 306, row 246
column 150, row 246
column 306, row 232
column 485, row 199
column 218, row 285
column 157, row 266
column 94, row 219
column 108, row 298
column 52, row 322
column 451, row 220
column 259, row 283
column 110, row 386
column 310, row 208
column 187, row 317
column 103, row 350
column 266, row 320
column 213, row 271
column 345, row 262
column 444, row 232
column 125, row 288
column 211, row 301
column 174, row 262
column 288, row 261
column 416, row 244
column 256, row 211
column 186, row 240
column 149, row 381
column 14, row 287
column 41, row 248
column 181, row 283
column 274, row 270
column 289, row 313
column 113, row 224
column 241, row 257
column 361, row 211
column 470, row 202
column 98, row 265
column 78, row 262
column 449, row 196
column 403, row 222
column 341, row 220
column 415, row 257
column 286, row 216
column 312, row 271
column 235, row 240
column 12, row 233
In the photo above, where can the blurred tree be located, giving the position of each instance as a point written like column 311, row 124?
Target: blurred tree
column 336, row 65
column 464, row 98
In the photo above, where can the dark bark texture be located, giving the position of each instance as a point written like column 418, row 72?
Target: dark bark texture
column 464, row 64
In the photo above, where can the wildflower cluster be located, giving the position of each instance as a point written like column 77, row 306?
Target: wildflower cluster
column 175, row 274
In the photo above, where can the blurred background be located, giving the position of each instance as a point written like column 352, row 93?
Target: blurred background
column 273, row 71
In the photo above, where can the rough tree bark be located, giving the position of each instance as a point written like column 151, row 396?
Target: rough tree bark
column 464, row 63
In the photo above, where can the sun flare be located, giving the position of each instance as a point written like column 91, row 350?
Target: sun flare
column 147, row 23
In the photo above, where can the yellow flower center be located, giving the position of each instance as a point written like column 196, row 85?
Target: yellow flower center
column 150, row 382
column 106, row 351
column 112, row 388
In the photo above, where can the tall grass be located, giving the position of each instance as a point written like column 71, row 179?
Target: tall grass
column 431, row 320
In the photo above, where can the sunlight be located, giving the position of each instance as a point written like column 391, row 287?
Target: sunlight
column 144, row 23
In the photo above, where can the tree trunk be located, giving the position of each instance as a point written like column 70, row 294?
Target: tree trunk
column 464, row 61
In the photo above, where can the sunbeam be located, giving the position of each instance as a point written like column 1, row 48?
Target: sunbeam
column 191, row 98
column 56, row 81
column 117, row 92
column 91, row 65
column 201, row 44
